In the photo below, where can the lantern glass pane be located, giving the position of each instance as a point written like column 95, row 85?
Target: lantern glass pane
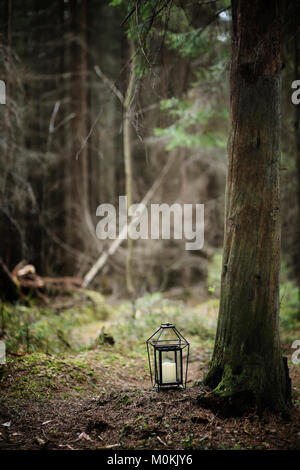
column 168, row 365
column 168, row 356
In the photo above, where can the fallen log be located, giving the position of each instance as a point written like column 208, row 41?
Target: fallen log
column 65, row 282
column 24, row 279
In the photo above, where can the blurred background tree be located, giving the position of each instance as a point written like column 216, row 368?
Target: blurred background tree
column 63, row 152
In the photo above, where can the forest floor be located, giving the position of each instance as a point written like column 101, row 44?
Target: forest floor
column 98, row 396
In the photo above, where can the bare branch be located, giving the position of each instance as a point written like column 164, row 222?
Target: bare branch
column 128, row 16
column 108, row 82
column 53, row 117
column 64, row 121
column 88, row 136
column 101, row 261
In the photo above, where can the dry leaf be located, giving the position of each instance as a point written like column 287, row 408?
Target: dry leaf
column 40, row 441
column 7, row 424
column 66, row 445
column 85, row 436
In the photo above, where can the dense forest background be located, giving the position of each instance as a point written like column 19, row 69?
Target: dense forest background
column 113, row 98
column 63, row 126
column 51, row 183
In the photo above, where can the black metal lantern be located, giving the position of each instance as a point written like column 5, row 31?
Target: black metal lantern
column 168, row 355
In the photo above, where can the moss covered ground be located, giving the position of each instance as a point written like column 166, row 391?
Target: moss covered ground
column 76, row 376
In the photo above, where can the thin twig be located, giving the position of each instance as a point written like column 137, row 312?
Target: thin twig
column 161, row 441
column 119, row 95
column 101, row 261
column 109, row 82
column 88, row 135
column 53, row 116
column 64, row 121
column 128, row 16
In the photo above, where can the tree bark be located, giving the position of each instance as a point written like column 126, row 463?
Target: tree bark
column 127, row 148
column 78, row 158
column 8, row 106
column 247, row 356
column 297, row 146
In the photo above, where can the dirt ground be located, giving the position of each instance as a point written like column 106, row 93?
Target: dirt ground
column 91, row 402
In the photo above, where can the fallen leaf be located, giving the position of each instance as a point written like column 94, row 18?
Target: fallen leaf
column 85, row 436
column 161, row 441
column 40, row 441
column 66, row 445
column 7, row 424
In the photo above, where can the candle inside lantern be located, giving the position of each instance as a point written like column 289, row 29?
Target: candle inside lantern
column 168, row 372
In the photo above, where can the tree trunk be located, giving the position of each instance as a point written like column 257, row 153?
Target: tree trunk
column 78, row 233
column 8, row 106
column 127, row 148
column 297, row 146
column 247, row 357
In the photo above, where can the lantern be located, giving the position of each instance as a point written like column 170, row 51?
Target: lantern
column 168, row 355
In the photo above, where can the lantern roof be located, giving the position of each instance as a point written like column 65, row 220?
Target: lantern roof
column 166, row 336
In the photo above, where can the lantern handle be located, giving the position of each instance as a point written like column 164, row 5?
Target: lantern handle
column 167, row 325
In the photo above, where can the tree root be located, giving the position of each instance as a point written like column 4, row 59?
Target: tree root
column 239, row 404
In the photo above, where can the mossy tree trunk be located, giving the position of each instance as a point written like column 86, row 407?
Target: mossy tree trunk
column 247, row 356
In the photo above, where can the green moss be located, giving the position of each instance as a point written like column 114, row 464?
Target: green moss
column 289, row 310
column 37, row 328
column 38, row 376
column 213, row 280
column 234, row 383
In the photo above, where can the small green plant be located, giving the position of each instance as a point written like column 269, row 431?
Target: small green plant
column 188, row 441
column 237, row 446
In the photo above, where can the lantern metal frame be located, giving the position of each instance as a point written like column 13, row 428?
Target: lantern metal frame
column 158, row 345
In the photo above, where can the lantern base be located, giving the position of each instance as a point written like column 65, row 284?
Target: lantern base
column 160, row 388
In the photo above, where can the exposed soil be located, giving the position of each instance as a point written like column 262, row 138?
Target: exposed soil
column 116, row 409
